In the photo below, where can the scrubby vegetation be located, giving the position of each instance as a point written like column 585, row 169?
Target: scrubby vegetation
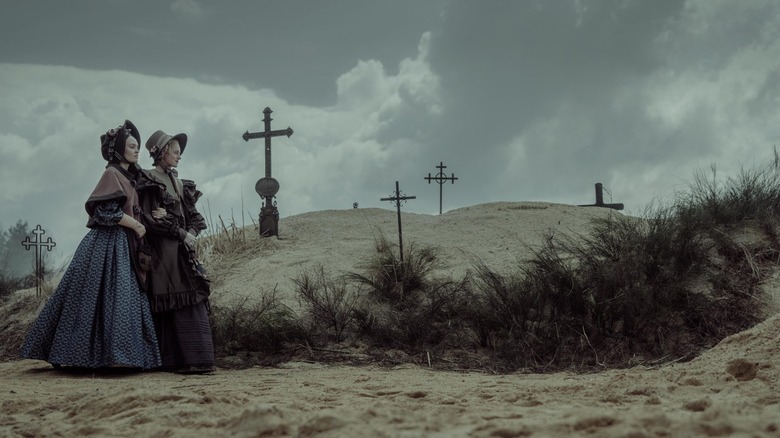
column 17, row 265
column 248, row 326
column 18, row 312
column 629, row 291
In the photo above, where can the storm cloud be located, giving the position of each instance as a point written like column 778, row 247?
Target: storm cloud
column 522, row 100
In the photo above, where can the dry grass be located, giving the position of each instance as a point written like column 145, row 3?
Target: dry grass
column 629, row 291
column 18, row 312
column 252, row 324
column 330, row 303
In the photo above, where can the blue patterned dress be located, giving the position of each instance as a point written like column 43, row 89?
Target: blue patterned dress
column 98, row 316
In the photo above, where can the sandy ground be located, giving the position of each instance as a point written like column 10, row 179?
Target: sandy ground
column 731, row 390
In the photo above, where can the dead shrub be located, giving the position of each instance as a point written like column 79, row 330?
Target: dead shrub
column 329, row 302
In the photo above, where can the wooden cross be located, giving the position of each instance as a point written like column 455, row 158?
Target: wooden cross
column 48, row 244
column 440, row 178
column 398, row 199
column 600, row 200
column 267, row 187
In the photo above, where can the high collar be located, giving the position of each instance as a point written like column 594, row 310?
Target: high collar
column 170, row 171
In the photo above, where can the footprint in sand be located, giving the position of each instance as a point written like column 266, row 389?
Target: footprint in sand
column 742, row 370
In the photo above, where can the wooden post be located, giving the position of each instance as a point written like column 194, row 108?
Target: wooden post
column 600, row 200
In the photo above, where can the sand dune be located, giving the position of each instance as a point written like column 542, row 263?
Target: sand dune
column 731, row 390
column 500, row 234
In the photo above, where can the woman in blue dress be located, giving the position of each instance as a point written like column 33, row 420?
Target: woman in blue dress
column 99, row 315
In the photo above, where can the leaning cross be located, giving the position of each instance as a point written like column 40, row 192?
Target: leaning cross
column 267, row 187
column 398, row 199
column 48, row 244
column 440, row 178
column 600, row 200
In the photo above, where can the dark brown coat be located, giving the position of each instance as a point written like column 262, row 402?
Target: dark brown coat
column 176, row 279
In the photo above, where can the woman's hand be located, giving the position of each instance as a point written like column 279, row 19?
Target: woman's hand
column 189, row 241
column 159, row 213
column 133, row 224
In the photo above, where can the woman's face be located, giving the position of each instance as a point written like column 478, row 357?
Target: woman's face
column 131, row 150
column 172, row 157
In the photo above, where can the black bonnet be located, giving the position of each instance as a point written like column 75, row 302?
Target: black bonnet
column 112, row 143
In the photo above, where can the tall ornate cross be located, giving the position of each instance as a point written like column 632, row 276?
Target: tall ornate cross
column 440, row 178
column 600, row 200
column 267, row 187
column 398, row 199
column 37, row 243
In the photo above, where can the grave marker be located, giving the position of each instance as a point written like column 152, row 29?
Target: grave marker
column 600, row 200
column 267, row 187
column 398, row 198
column 37, row 243
column 440, row 178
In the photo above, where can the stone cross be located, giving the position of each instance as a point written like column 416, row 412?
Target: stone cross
column 398, row 198
column 267, row 187
column 600, row 200
column 37, row 243
column 440, row 178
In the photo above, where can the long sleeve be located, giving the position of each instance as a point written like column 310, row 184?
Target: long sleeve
column 154, row 196
column 195, row 221
column 167, row 226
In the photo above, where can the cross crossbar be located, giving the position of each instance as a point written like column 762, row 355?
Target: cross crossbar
column 398, row 198
column 250, row 135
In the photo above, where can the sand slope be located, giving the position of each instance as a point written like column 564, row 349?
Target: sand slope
column 500, row 234
column 731, row 390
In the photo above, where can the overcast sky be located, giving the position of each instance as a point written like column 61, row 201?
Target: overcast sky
column 521, row 100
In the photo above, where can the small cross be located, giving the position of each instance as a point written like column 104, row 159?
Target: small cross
column 37, row 243
column 398, row 199
column 600, row 200
column 441, row 178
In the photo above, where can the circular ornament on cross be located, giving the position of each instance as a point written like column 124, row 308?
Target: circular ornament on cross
column 267, row 186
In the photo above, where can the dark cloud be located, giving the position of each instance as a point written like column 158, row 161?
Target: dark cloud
column 508, row 65
column 507, row 68
column 296, row 47
column 521, row 100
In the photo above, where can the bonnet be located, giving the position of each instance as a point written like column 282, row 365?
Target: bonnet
column 157, row 142
column 112, row 143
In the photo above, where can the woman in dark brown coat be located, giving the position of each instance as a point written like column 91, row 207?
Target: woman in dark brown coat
column 178, row 287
